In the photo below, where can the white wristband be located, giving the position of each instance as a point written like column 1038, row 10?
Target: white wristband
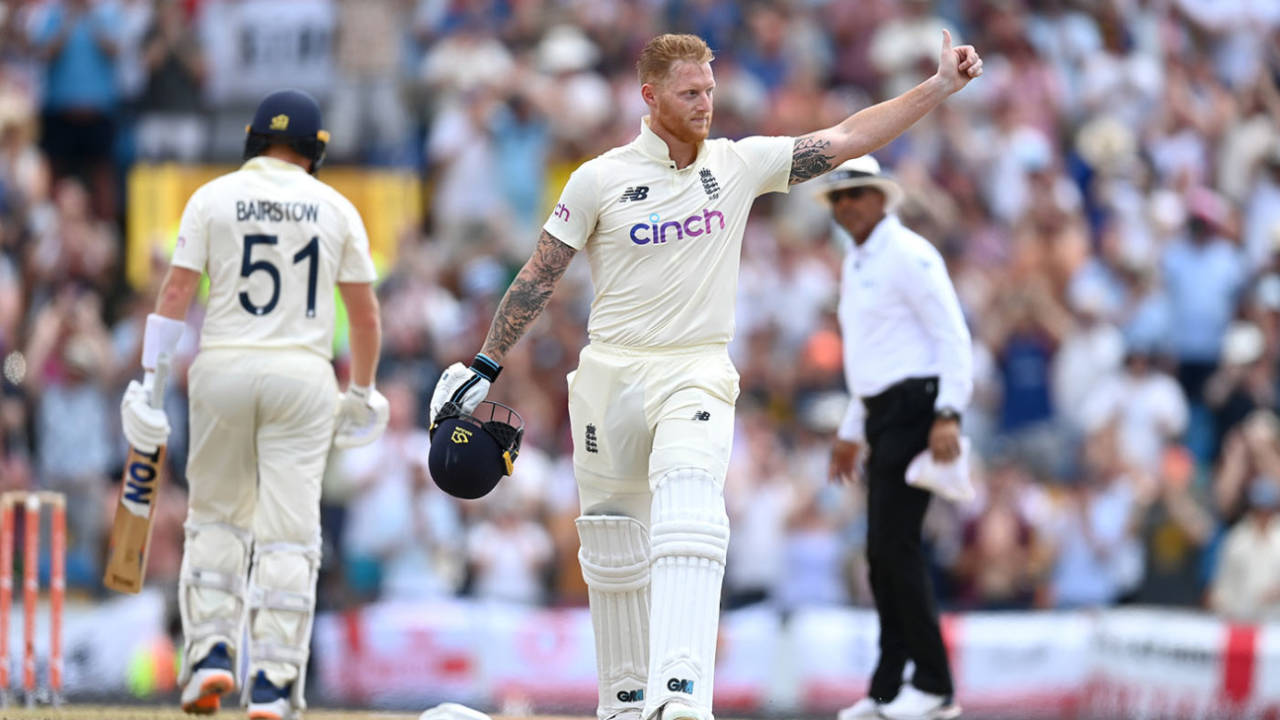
column 161, row 337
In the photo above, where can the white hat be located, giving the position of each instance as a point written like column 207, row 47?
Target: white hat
column 858, row 172
column 1242, row 344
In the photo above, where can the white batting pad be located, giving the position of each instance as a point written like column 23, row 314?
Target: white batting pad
column 615, row 565
column 690, row 539
column 282, row 601
column 211, row 589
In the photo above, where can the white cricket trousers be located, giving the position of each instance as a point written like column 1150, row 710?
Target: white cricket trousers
column 261, row 426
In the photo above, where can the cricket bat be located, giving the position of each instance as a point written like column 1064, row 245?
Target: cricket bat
column 131, row 531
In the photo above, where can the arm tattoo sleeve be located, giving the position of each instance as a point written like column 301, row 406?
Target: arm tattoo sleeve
column 528, row 294
column 810, row 158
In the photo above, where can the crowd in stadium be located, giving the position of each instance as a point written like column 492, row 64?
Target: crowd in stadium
column 1107, row 197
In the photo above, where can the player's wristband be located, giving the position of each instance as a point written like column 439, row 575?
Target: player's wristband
column 485, row 367
column 160, row 337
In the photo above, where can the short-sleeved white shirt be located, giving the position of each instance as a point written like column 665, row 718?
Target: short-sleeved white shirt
column 274, row 241
column 664, row 244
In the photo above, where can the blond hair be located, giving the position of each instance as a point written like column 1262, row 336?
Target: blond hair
column 662, row 52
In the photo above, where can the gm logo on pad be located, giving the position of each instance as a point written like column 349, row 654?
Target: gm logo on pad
column 460, row 436
column 280, row 122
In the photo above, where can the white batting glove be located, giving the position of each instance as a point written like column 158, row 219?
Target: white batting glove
column 362, row 416
column 146, row 428
column 466, row 386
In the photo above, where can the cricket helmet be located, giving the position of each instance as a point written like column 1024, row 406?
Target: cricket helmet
column 471, row 453
column 288, row 117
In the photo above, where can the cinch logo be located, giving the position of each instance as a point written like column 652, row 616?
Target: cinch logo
column 630, row 695
column 693, row 226
column 678, row 685
column 562, row 212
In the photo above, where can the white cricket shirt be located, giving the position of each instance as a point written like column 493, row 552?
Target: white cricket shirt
column 274, row 240
column 900, row 318
column 664, row 244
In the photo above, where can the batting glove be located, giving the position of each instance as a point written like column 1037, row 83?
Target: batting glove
column 362, row 416
column 146, row 428
column 466, row 386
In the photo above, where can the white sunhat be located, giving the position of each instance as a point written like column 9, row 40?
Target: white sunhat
column 859, row 172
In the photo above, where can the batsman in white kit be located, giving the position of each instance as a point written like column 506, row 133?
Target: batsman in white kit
column 264, row 403
column 652, row 399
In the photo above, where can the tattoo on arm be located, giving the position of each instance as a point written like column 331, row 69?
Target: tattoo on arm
column 810, row 158
column 528, row 295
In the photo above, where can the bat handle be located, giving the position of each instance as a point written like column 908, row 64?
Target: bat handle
column 158, row 380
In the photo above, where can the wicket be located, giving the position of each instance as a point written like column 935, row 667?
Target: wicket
column 31, row 503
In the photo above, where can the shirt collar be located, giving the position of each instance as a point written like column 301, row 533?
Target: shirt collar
column 655, row 147
column 879, row 237
column 262, row 162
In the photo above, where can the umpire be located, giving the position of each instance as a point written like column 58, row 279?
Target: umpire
column 907, row 359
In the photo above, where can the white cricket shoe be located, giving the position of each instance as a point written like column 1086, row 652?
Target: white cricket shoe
column 915, row 704
column 865, row 709
column 268, row 701
column 210, row 680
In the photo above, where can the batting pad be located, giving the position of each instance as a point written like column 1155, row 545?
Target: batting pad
column 690, row 539
column 211, row 589
column 282, row 602
column 615, row 565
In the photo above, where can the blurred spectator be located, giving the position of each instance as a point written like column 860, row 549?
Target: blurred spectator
column 367, row 118
column 1142, row 404
column 1004, row 554
column 69, row 357
column 382, row 516
column 1175, row 525
column 78, row 40
column 170, row 125
column 1203, row 272
column 1098, row 556
column 1246, row 586
column 1249, row 450
column 1244, row 381
column 1262, row 210
column 509, row 553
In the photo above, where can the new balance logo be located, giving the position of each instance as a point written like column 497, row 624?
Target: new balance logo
column 636, row 193
column 628, row 696
column 591, row 444
column 678, row 685
column 709, row 184
column 702, row 416
column 562, row 212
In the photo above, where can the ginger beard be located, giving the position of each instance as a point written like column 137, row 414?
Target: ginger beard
column 681, row 103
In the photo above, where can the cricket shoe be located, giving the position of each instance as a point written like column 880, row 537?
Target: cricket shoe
column 865, row 709
column 915, row 704
column 211, row 678
column 269, row 702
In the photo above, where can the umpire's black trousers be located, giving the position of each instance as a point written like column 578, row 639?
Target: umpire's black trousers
column 897, row 429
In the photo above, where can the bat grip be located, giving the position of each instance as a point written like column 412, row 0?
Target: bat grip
column 158, row 379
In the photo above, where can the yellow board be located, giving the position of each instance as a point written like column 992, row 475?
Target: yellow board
column 389, row 201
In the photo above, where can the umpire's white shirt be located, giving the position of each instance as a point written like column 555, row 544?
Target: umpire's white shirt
column 274, row 240
column 900, row 319
column 664, row 243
